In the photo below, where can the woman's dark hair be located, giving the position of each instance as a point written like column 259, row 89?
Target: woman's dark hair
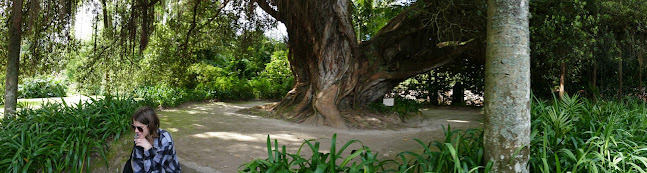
column 147, row 116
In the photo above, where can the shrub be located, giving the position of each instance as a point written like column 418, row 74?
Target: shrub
column 265, row 88
column 276, row 80
column 61, row 137
column 42, row 86
column 281, row 161
column 228, row 88
column 165, row 96
column 576, row 135
column 205, row 72
column 462, row 151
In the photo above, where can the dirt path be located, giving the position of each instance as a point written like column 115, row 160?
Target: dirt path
column 212, row 137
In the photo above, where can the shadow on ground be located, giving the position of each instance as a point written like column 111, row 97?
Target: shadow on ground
column 212, row 137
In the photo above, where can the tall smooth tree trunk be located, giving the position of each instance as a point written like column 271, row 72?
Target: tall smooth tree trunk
column 620, row 93
column 640, row 71
column 595, row 75
column 507, row 86
column 13, row 61
column 594, row 80
column 107, row 24
column 562, row 79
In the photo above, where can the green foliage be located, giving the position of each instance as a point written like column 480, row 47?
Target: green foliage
column 205, row 72
column 61, row 137
column 460, row 152
column 276, row 80
column 593, row 39
column 281, row 161
column 212, row 82
column 41, row 87
column 576, row 135
column 228, row 88
column 369, row 16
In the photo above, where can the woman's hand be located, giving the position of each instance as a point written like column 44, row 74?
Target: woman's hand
column 142, row 142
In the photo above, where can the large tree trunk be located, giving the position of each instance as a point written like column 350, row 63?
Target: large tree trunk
column 507, row 86
column 15, row 36
column 334, row 73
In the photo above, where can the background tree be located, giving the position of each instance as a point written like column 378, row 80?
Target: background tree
column 47, row 27
column 507, row 86
column 15, row 37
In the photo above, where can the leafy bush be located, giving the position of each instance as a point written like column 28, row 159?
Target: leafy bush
column 265, row 88
column 576, row 135
column 276, row 80
column 165, row 96
column 61, row 137
column 281, row 161
column 228, row 88
column 42, row 86
column 460, row 152
column 205, row 72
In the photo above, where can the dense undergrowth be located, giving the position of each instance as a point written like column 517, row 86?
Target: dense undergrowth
column 223, row 89
column 578, row 135
column 42, row 86
column 58, row 137
column 461, row 151
column 568, row 135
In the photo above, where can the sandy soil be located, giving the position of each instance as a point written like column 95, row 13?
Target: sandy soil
column 212, row 137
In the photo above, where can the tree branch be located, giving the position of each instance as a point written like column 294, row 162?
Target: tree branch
column 194, row 22
column 408, row 45
column 267, row 8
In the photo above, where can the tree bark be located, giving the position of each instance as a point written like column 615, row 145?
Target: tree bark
column 334, row 73
column 13, row 59
column 562, row 79
column 596, row 91
column 433, row 91
column 640, row 71
column 107, row 24
column 620, row 93
column 507, row 86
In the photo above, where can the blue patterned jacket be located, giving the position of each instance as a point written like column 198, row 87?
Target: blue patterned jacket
column 160, row 158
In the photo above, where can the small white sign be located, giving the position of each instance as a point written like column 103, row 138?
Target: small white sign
column 388, row 101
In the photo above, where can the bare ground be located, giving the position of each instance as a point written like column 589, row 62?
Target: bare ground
column 213, row 137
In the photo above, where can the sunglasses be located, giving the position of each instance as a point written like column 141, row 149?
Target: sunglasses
column 141, row 129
